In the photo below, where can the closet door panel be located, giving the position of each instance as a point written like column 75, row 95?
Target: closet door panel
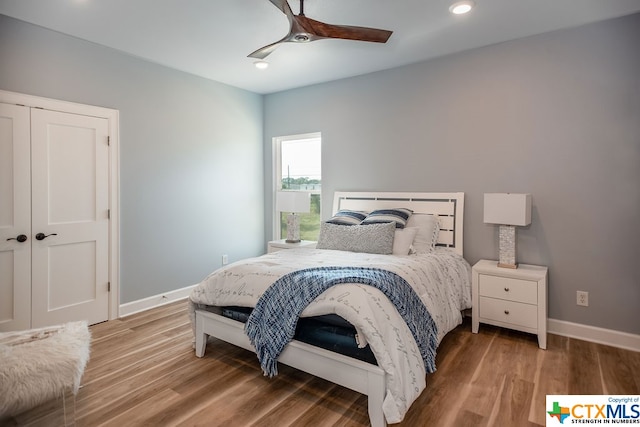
column 15, row 218
column 69, row 166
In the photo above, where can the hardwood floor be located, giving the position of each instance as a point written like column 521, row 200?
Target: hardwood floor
column 143, row 371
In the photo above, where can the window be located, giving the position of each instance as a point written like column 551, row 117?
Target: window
column 297, row 167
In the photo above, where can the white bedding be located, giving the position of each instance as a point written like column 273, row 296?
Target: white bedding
column 442, row 279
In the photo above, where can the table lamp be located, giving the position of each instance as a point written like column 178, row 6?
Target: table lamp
column 508, row 210
column 293, row 202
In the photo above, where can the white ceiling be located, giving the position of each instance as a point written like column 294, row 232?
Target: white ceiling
column 212, row 38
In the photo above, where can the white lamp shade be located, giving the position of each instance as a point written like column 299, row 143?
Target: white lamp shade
column 507, row 208
column 293, row 201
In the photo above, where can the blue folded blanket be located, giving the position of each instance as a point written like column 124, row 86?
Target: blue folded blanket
column 272, row 323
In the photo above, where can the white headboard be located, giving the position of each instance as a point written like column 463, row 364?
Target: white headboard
column 448, row 206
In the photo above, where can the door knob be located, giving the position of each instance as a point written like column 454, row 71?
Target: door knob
column 42, row 236
column 21, row 238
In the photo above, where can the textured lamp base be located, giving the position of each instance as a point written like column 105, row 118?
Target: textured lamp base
column 293, row 228
column 507, row 257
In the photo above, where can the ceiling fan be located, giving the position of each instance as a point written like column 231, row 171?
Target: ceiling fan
column 303, row 29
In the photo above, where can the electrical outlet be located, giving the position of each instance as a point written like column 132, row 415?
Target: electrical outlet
column 225, row 259
column 582, row 298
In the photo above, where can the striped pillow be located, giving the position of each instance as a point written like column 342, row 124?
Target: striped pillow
column 397, row 215
column 347, row 217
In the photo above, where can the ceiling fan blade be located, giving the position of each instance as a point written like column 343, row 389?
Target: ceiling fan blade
column 265, row 51
column 283, row 5
column 323, row 30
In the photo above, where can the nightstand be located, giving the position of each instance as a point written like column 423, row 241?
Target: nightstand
column 278, row 245
column 510, row 298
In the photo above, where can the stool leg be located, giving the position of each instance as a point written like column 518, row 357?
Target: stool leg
column 69, row 408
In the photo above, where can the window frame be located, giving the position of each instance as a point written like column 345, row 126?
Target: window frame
column 277, row 174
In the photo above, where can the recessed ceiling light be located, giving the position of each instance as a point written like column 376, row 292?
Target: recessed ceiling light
column 261, row 65
column 462, row 7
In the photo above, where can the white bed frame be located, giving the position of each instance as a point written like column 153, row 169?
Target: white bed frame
column 354, row 374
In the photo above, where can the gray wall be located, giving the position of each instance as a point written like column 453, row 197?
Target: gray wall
column 184, row 200
column 556, row 115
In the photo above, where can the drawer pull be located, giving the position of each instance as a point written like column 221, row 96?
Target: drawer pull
column 506, row 312
column 506, row 289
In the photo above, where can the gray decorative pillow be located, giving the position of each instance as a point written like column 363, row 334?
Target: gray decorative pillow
column 372, row 239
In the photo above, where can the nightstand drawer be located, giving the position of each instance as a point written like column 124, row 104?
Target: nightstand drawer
column 514, row 313
column 508, row 289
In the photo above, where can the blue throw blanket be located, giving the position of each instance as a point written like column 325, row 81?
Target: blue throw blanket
column 272, row 323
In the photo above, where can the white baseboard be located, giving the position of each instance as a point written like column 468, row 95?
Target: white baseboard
column 594, row 334
column 154, row 301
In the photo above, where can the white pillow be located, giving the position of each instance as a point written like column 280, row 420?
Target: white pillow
column 403, row 240
column 428, row 230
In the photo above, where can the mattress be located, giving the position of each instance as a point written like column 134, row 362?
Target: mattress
column 330, row 332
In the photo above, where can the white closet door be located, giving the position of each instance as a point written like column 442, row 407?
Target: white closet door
column 15, row 218
column 70, row 200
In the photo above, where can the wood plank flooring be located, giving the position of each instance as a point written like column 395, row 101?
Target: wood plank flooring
column 143, row 371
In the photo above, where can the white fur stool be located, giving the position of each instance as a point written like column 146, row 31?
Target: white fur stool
column 39, row 365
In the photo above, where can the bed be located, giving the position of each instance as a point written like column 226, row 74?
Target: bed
column 439, row 276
